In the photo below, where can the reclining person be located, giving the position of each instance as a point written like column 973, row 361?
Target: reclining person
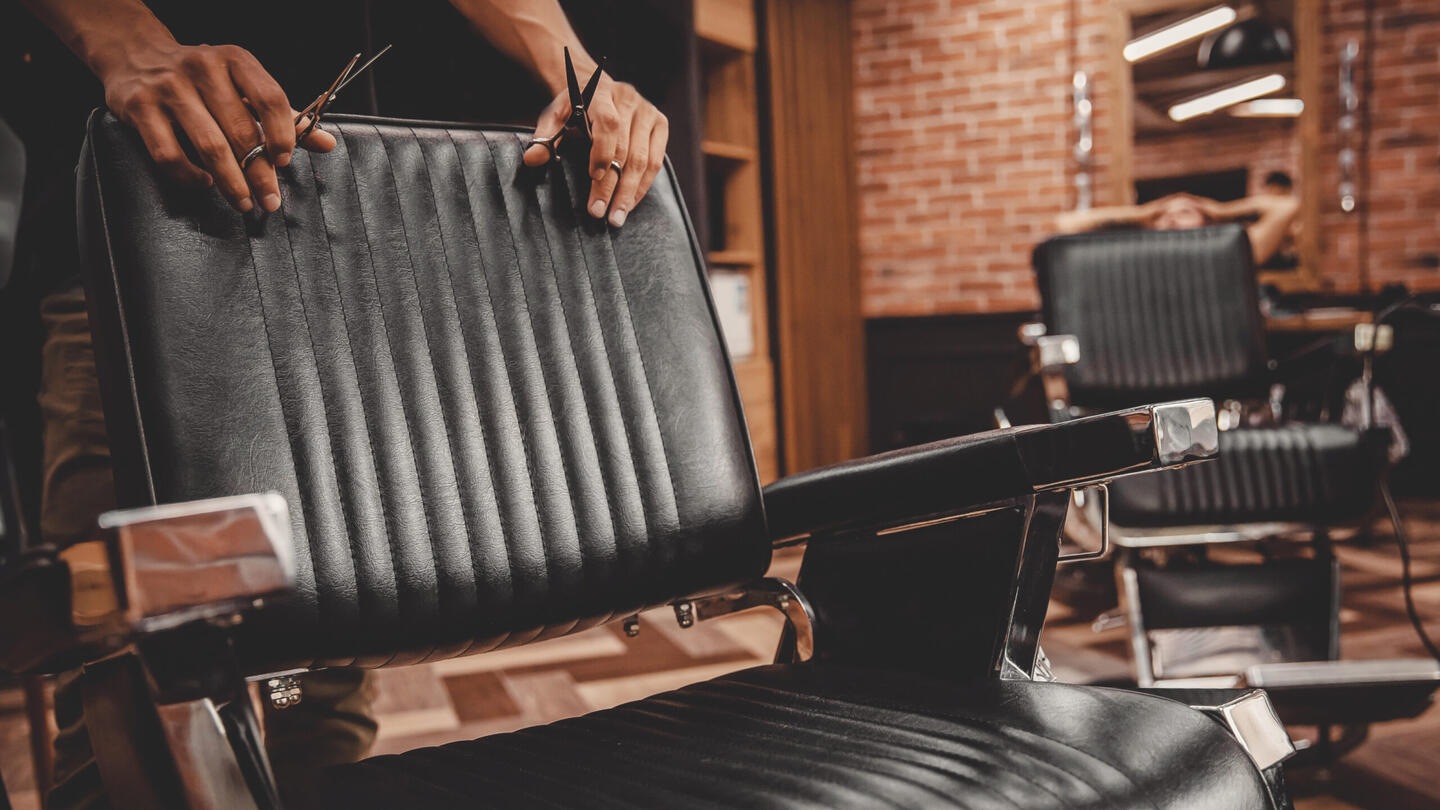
column 211, row 96
column 1273, row 215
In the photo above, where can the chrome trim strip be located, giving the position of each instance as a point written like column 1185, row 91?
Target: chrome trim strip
column 772, row 592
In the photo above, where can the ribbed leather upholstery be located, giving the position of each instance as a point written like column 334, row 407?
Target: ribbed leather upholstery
column 495, row 420
column 1311, row 473
column 827, row 737
column 1159, row 314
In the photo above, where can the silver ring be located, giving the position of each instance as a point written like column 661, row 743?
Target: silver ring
column 619, row 170
column 251, row 155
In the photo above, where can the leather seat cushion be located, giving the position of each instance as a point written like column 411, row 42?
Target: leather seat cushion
column 826, row 736
column 1310, row 473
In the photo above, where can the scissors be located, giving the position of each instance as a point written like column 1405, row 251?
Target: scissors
column 316, row 109
column 578, row 125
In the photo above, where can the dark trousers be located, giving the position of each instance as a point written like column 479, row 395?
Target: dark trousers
column 332, row 724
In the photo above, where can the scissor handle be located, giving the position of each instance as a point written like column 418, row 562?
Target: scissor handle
column 309, row 127
column 551, row 144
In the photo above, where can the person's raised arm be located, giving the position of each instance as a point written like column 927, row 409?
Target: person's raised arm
column 1276, row 212
column 1091, row 219
column 626, row 128
column 157, row 85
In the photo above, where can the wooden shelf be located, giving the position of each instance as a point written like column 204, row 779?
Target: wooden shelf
column 730, row 134
column 728, row 151
column 728, row 23
column 733, row 257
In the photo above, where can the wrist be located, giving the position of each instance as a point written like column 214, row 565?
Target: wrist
column 112, row 45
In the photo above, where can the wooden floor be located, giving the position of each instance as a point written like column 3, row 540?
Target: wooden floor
column 1398, row 768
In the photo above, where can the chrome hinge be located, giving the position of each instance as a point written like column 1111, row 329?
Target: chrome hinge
column 1103, row 495
column 284, row 691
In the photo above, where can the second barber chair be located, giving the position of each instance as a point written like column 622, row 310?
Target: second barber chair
column 1226, row 571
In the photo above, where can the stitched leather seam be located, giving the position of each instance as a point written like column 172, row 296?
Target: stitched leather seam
column 544, row 378
column 510, row 388
column 470, row 379
column 404, row 412
column 124, row 325
column 645, row 372
column 324, row 407
column 753, row 730
column 924, row 744
column 527, row 740
column 280, row 398
column 715, row 690
column 435, row 373
column 658, row 740
column 642, row 489
column 584, row 399
column 1004, row 731
column 350, row 347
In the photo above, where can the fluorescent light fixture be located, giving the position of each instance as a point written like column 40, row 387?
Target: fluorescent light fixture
column 1269, row 108
column 1227, row 96
column 1183, row 31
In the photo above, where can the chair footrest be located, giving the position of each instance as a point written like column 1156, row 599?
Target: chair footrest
column 1342, row 692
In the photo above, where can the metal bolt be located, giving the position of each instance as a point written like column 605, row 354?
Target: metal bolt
column 284, row 691
column 685, row 614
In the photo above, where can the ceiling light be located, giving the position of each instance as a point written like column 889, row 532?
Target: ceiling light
column 1269, row 108
column 1183, row 31
column 1225, row 97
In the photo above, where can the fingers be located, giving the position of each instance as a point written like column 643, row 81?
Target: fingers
column 159, row 137
column 267, row 101
column 552, row 120
column 242, row 132
column 609, row 141
column 213, row 147
column 318, row 140
column 649, row 135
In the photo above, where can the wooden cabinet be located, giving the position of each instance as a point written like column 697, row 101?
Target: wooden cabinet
column 730, row 146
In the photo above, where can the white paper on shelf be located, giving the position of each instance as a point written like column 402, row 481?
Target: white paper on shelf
column 732, row 302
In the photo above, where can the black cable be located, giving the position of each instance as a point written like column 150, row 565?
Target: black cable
column 1407, row 583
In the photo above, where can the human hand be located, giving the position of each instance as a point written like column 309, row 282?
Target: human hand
column 625, row 128
column 213, row 94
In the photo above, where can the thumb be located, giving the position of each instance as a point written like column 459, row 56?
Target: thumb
column 552, row 120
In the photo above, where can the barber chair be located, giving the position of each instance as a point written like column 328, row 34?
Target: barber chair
column 1225, row 570
column 473, row 418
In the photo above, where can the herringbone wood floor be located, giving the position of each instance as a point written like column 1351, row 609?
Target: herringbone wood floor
column 1395, row 769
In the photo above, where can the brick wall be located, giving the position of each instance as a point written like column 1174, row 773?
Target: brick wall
column 1404, row 194
column 1263, row 147
column 963, row 126
column 964, row 137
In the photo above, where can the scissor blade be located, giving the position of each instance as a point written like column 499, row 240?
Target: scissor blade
column 351, row 77
column 594, row 83
column 572, row 82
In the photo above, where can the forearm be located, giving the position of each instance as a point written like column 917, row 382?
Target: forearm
column 532, row 32
column 99, row 31
column 1276, row 214
column 1092, row 218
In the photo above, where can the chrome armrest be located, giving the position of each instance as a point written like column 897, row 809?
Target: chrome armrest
column 158, row 566
column 147, row 570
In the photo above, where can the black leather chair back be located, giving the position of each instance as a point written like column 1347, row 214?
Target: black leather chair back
column 1159, row 314
column 495, row 419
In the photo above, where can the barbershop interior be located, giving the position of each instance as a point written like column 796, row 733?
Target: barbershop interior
column 720, row 403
